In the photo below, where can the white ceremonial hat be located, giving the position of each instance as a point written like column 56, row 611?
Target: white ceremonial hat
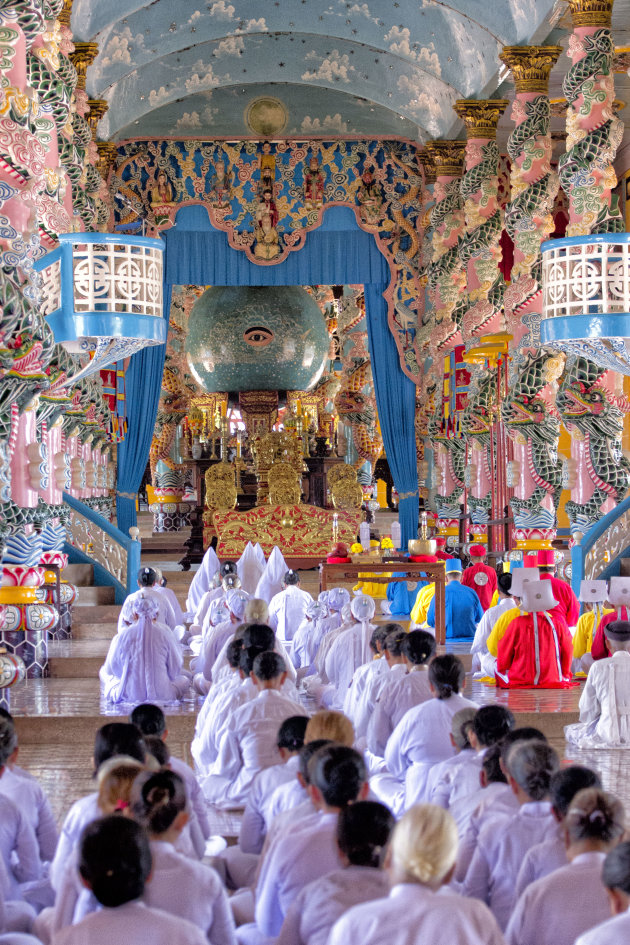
column 537, row 596
column 619, row 591
column 521, row 577
column 594, row 592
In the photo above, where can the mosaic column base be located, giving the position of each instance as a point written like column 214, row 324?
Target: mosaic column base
column 32, row 646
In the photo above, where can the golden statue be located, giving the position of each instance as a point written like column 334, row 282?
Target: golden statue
column 344, row 487
column 221, row 493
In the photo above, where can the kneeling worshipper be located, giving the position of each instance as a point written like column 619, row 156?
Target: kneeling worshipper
column 161, row 587
column 249, row 744
column 616, row 879
column 272, row 579
column 593, row 594
column 250, row 567
column 351, row 649
column 202, row 580
column 537, row 648
column 214, row 639
column 224, row 580
column 483, row 664
column 619, row 599
column 144, row 662
column 147, row 587
column 462, row 606
column 402, row 596
column 605, row 700
column 307, row 639
column 422, row 737
column 287, row 608
column 480, row 576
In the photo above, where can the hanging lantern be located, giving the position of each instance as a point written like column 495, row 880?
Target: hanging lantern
column 102, row 296
column 586, row 298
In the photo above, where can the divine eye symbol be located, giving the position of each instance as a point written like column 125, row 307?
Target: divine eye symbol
column 258, row 336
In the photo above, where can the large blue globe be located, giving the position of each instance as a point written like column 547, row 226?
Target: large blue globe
column 256, row 338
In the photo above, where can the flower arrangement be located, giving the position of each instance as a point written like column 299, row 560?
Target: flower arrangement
column 387, row 544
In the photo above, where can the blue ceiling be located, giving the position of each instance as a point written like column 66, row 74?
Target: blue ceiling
column 380, row 67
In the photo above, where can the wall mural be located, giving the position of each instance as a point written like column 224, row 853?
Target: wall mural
column 267, row 197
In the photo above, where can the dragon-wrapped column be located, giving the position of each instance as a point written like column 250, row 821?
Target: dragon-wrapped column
column 589, row 404
column 480, row 311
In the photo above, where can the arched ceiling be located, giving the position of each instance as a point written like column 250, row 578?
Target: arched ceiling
column 379, row 67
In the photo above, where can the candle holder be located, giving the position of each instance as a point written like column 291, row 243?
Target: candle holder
column 225, row 436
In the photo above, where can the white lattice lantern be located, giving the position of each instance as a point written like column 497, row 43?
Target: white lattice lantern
column 586, row 298
column 102, row 295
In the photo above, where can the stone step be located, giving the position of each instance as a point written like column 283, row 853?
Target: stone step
column 81, row 575
column 77, row 659
column 96, row 595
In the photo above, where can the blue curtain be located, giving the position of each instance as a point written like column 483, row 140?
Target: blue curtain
column 143, row 381
column 337, row 253
column 396, row 403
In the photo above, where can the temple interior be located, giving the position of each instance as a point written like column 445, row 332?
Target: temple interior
column 349, row 282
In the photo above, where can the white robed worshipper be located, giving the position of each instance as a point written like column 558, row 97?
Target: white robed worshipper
column 16, row 916
column 18, row 849
column 336, row 600
column 422, row 738
column 221, row 669
column 250, row 568
column 459, row 777
column 161, row 587
column 272, row 579
column 249, row 744
column 144, row 662
column 399, row 693
column 363, row 831
column 506, row 838
column 351, row 649
column 147, row 580
column 115, row 862
column 288, row 607
column 483, row 663
column 307, row 639
column 224, row 580
column 365, row 687
column 616, row 879
column 309, row 850
column 214, row 639
column 289, row 743
column 218, row 709
column 419, row 907
column 557, row 908
column 347, row 621
column 551, row 853
column 202, row 580
column 605, row 700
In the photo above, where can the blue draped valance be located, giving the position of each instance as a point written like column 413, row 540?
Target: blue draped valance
column 337, row 253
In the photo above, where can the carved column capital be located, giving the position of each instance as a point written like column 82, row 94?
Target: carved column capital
column 447, row 157
column 530, row 66
column 83, row 56
column 66, row 13
column 481, row 118
column 591, row 12
column 107, row 152
column 426, row 160
column 98, row 107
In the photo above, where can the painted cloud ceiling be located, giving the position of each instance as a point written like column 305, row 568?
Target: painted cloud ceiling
column 380, row 67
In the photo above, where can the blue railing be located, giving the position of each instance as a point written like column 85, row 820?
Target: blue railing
column 599, row 554
column 91, row 539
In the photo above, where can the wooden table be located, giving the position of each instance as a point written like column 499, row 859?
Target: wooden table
column 400, row 569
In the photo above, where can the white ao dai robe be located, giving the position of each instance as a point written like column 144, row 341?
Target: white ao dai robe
column 604, row 706
column 253, row 825
column 30, row 798
column 287, row 611
column 144, row 664
column 502, row 844
column 556, row 909
column 18, row 848
column 414, row 915
column 317, row 907
column 165, row 611
column 420, row 740
column 230, row 697
column 363, row 690
column 349, row 651
column 398, row 693
column 134, row 924
column 615, row 931
column 248, row 746
column 307, row 852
